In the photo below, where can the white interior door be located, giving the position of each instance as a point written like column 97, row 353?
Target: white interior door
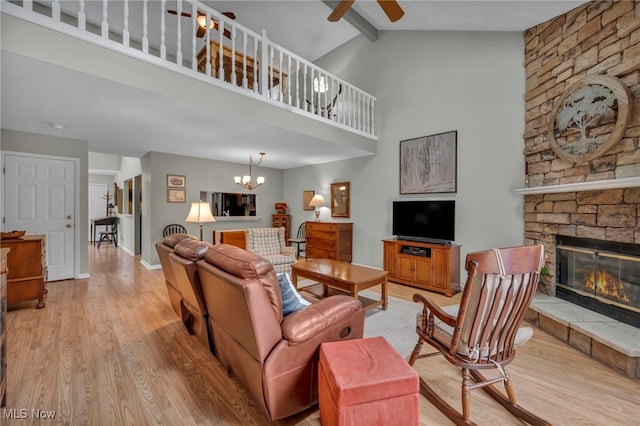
column 40, row 198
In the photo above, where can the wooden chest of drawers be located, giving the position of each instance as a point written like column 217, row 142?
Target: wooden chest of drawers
column 27, row 269
column 329, row 240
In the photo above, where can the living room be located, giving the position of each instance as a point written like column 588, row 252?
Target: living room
column 452, row 80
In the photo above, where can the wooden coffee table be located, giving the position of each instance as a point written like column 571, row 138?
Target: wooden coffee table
column 336, row 277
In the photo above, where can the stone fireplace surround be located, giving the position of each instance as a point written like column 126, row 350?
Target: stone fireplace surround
column 582, row 199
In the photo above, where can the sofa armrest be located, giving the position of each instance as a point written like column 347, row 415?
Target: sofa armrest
column 307, row 323
column 288, row 251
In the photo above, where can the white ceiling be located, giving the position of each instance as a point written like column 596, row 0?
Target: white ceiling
column 155, row 123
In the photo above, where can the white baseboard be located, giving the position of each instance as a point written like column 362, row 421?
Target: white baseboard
column 150, row 266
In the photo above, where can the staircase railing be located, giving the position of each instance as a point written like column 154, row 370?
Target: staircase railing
column 174, row 34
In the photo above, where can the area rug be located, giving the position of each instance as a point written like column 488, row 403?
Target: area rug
column 397, row 324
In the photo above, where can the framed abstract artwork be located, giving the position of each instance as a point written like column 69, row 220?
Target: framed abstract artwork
column 428, row 164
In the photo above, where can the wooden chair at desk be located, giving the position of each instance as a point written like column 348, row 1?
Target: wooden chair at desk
column 111, row 234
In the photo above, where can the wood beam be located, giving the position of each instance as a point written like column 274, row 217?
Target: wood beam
column 356, row 20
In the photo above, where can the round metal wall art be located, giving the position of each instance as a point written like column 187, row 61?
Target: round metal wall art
column 590, row 118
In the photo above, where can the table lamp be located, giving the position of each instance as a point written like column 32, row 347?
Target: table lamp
column 317, row 201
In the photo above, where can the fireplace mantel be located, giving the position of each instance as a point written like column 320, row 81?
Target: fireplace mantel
column 581, row 186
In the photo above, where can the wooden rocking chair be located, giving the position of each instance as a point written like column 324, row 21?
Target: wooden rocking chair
column 483, row 331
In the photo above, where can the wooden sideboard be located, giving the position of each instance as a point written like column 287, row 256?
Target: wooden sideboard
column 239, row 66
column 3, row 322
column 434, row 267
column 27, row 269
column 282, row 221
column 234, row 237
column 330, row 240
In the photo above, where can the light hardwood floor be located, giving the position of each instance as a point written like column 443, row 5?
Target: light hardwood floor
column 110, row 351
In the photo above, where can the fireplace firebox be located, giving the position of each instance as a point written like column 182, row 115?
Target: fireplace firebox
column 603, row 276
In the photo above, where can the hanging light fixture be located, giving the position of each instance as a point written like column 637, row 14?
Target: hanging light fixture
column 246, row 181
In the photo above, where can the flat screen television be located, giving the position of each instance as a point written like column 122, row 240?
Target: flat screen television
column 424, row 220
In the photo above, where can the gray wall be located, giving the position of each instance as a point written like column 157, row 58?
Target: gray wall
column 202, row 175
column 428, row 83
column 62, row 147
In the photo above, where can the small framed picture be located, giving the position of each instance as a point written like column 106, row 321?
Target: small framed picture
column 306, row 199
column 176, row 181
column 176, row 196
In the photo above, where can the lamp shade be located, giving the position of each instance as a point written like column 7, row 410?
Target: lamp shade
column 317, row 201
column 200, row 213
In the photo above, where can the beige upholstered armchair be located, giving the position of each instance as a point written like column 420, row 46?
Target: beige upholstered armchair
column 271, row 244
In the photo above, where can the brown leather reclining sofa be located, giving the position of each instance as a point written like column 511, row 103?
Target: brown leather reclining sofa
column 230, row 299
column 164, row 249
column 275, row 358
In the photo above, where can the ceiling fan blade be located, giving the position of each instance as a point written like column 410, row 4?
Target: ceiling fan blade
column 392, row 9
column 229, row 15
column 200, row 32
column 174, row 12
column 340, row 10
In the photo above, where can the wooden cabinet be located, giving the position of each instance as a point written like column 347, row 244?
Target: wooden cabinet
column 282, row 221
column 27, row 269
column 234, row 237
column 329, row 240
column 3, row 322
column 428, row 266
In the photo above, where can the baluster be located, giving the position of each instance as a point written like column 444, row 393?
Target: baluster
column 233, row 56
column 256, row 65
column 105, row 23
column 297, row 83
column 195, row 62
column 288, row 88
column 220, row 50
column 163, row 45
column 350, row 111
column 145, row 26
column 28, row 5
column 326, row 95
column 125, row 30
column 55, row 10
column 245, row 81
column 281, row 80
column 270, row 70
column 207, row 42
column 179, row 35
column 360, row 110
column 307, row 108
column 82, row 16
column 373, row 117
column 264, row 61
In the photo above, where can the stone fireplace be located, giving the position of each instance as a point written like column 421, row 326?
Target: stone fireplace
column 596, row 198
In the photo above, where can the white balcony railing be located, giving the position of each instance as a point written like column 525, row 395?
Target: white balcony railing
column 174, row 34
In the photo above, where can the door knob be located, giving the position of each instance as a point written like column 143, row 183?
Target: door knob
column 69, row 225
column 69, row 217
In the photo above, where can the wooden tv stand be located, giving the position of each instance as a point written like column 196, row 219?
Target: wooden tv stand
column 434, row 267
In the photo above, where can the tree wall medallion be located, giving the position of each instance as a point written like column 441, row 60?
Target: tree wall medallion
column 590, row 118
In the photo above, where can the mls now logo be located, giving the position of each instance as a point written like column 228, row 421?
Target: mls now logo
column 23, row 413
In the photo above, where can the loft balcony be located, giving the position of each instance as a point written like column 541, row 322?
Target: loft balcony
column 238, row 66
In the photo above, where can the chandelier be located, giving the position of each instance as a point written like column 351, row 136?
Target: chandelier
column 246, row 181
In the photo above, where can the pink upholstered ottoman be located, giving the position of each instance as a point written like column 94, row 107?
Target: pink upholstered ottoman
column 366, row 382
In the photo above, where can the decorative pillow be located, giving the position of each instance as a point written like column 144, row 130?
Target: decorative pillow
column 291, row 299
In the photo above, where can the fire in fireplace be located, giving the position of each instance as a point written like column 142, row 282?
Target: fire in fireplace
column 603, row 276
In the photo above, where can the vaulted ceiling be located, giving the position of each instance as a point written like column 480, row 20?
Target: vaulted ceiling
column 35, row 96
